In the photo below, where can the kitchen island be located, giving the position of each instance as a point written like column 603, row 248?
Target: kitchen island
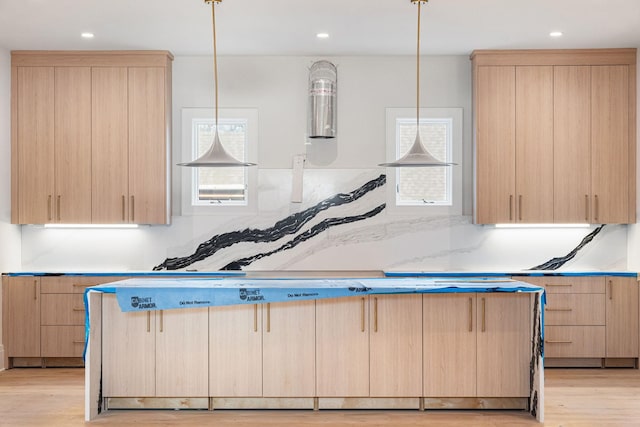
column 316, row 343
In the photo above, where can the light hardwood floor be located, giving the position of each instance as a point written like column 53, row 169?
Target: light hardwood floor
column 573, row 397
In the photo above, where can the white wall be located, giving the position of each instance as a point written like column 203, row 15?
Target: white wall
column 277, row 87
column 9, row 234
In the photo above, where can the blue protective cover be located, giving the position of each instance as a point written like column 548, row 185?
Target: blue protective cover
column 164, row 294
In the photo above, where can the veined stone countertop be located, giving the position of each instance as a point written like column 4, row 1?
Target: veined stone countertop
column 525, row 273
column 322, row 274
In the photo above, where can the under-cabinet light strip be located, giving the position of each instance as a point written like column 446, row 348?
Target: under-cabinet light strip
column 91, row 226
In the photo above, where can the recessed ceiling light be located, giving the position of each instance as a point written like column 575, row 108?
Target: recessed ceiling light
column 322, row 35
column 555, row 34
column 87, row 35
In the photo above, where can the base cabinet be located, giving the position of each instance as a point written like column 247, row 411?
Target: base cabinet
column 369, row 346
column 590, row 321
column 288, row 349
column 450, row 329
column 477, row 345
column 21, row 316
column 342, row 339
column 235, row 351
column 622, row 317
column 395, row 351
column 504, row 344
column 396, row 345
column 154, row 354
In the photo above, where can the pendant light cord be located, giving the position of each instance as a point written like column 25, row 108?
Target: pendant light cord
column 418, row 73
column 215, row 59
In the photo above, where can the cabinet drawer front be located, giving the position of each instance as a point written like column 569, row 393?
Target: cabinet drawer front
column 62, row 341
column 73, row 284
column 569, row 284
column 574, row 341
column 575, row 309
column 62, row 309
column 65, row 284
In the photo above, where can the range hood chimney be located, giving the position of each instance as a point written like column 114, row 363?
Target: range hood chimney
column 323, row 101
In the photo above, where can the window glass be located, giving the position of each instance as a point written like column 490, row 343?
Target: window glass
column 220, row 185
column 424, row 185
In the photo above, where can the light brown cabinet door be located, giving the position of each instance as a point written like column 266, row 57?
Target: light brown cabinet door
column 342, row 347
column 128, row 351
column 62, row 309
column 449, row 348
column 72, row 199
column 182, row 352
column 288, row 364
column 534, row 144
column 622, row 317
column 147, row 146
column 572, row 144
column 495, row 144
column 396, row 345
column 62, row 341
column 504, row 344
column 610, row 144
column 109, row 146
column 35, row 144
column 235, row 351
column 21, row 316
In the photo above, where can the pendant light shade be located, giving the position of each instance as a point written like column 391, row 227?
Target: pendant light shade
column 216, row 155
column 418, row 155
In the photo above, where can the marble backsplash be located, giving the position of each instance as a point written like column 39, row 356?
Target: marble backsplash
column 358, row 234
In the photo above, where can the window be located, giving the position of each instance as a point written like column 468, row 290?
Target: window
column 436, row 188
column 219, row 185
column 212, row 190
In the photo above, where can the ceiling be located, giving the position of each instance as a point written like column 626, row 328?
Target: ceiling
column 289, row 27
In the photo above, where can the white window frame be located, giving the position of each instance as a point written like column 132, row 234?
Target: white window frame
column 249, row 206
column 454, row 173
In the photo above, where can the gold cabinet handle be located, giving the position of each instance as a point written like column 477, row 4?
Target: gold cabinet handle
column 470, row 314
column 375, row 315
column 79, row 342
column 35, row 290
column 558, row 342
column 484, row 307
column 596, row 209
column 161, row 320
column 58, row 207
column 510, row 207
column 123, row 210
column 362, row 315
column 255, row 317
column 268, row 317
column 133, row 209
column 586, row 207
column 81, row 285
column 610, row 289
column 49, row 208
column 78, row 309
column 520, row 207
column 148, row 321
column 558, row 309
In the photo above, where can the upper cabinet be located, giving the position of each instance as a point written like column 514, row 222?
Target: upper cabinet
column 91, row 137
column 554, row 135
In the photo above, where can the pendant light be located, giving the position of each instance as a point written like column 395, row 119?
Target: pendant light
column 216, row 155
column 418, row 155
